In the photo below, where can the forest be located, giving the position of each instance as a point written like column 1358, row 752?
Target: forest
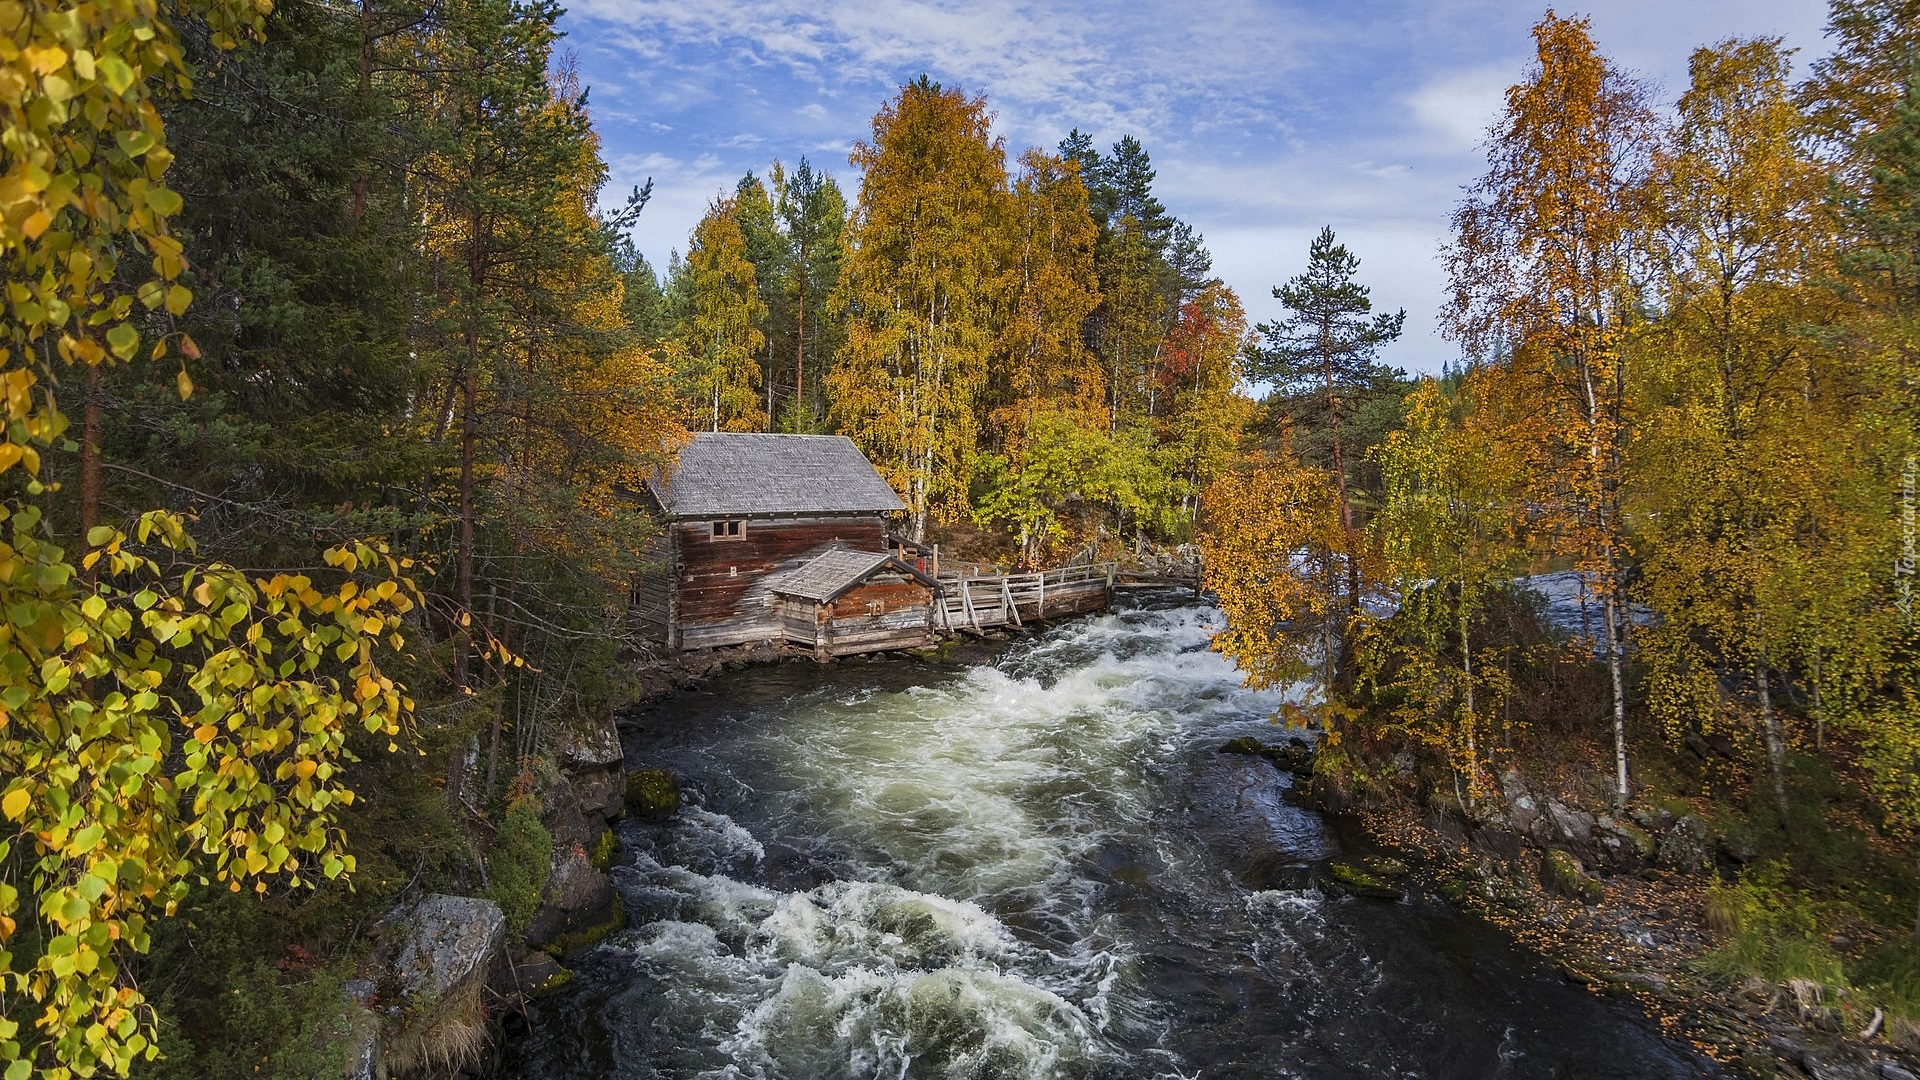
column 332, row 375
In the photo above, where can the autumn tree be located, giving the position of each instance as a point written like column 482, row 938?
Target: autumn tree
column 1041, row 361
column 1270, row 546
column 1202, row 379
column 1328, row 348
column 917, row 294
column 1068, row 469
column 164, row 717
column 717, row 347
column 1732, row 547
column 1879, row 264
column 1541, row 269
column 1448, row 530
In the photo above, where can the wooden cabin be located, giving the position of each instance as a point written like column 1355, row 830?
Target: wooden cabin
column 742, row 508
column 843, row 602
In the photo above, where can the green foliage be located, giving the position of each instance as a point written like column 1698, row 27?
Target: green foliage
column 519, row 864
column 236, row 1000
column 606, row 848
column 1891, row 975
column 1770, row 930
column 1066, row 467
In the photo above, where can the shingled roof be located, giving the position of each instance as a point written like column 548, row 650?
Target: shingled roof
column 823, row 578
column 729, row 474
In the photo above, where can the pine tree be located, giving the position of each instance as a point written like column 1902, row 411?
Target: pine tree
column 1327, row 348
column 814, row 212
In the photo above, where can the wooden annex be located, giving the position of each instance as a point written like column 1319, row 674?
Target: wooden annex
column 842, row 602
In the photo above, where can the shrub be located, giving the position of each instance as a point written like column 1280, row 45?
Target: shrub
column 1771, row 932
column 521, row 860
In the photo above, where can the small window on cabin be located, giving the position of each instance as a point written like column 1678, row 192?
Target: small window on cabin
column 729, row 530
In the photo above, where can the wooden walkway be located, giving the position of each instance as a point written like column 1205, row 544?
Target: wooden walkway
column 981, row 601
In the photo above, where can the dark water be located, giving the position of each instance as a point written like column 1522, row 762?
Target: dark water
column 1037, row 868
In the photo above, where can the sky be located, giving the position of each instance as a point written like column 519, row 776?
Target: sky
column 1265, row 119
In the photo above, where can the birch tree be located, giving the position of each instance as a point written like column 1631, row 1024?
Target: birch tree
column 1541, row 270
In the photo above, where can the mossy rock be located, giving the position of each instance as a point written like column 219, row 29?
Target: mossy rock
column 588, row 936
column 1385, row 866
column 652, row 793
column 1358, row 881
column 605, row 849
column 1562, row 874
column 1643, row 842
column 1245, row 744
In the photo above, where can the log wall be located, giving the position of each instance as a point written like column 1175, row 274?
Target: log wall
column 722, row 597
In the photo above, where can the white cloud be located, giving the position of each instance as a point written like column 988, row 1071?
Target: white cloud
column 1458, row 107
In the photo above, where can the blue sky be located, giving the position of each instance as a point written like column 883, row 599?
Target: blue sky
column 1265, row 120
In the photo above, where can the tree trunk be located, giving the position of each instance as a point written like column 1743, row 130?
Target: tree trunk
column 1819, row 707
column 1616, row 662
column 366, row 90
column 802, row 416
column 90, row 466
column 1776, row 741
column 469, row 438
column 493, row 733
column 1346, row 505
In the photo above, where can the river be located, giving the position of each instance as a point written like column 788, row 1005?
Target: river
column 1039, row 866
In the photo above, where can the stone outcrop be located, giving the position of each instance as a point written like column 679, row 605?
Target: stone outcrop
column 578, row 902
column 1294, row 756
column 433, row 970
column 591, row 787
column 448, row 945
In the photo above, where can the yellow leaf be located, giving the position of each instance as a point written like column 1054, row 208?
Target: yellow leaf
column 186, row 384
column 14, row 805
column 46, row 59
column 206, row 733
column 36, row 224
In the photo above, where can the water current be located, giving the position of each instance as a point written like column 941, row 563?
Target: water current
column 1036, row 866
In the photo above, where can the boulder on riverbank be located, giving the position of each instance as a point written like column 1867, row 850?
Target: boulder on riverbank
column 1562, row 875
column 577, row 904
column 652, row 794
column 1293, row 756
column 431, row 978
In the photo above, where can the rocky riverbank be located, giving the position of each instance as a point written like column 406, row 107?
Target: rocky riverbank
column 1623, row 905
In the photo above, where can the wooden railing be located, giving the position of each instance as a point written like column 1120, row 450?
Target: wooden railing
column 982, row 600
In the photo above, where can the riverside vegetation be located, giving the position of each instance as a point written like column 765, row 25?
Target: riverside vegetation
column 326, row 372
column 1689, row 392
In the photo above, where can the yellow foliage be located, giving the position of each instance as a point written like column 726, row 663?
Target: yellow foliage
column 1269, row 544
